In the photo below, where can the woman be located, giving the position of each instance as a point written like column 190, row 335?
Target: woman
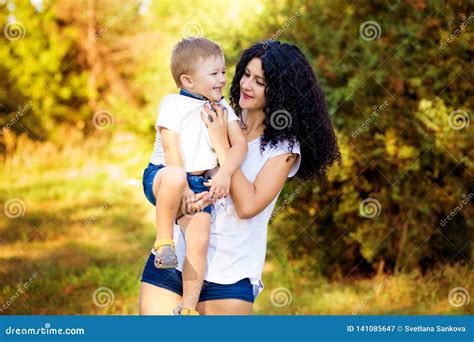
column 288, row 129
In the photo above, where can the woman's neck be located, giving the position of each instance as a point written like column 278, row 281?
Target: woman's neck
column 254, row 123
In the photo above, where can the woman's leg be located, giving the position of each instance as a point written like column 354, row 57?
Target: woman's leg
column 196, row 233
column 155, row 300
column 225, row 307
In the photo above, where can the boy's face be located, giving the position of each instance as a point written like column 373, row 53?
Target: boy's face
column 209, row 78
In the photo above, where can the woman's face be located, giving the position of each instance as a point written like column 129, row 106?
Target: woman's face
column 252, row 87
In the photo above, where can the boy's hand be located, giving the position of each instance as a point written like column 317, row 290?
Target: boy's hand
column 187, row 197
column 201, row 201
column 219, row 185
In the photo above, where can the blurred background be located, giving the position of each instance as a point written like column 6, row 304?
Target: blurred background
column 390, row 232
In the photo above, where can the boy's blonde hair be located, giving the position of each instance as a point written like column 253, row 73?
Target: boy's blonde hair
column 189, row 51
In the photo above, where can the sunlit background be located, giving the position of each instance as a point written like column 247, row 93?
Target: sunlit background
column 390, row 232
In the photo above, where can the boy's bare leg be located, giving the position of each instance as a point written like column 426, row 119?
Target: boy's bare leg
column 167, row 188
column 196, row 232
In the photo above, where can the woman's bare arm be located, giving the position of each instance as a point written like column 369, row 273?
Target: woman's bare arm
column 249, row 198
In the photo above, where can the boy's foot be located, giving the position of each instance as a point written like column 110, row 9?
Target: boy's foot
column 182, row 311
column 165, row 256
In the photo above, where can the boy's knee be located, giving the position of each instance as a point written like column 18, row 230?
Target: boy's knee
column 174, row 176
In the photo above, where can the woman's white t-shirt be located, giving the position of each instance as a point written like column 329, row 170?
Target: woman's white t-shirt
column 237, row 247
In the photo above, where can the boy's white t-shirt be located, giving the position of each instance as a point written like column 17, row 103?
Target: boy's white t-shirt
column 182, row 114
column 237, row 247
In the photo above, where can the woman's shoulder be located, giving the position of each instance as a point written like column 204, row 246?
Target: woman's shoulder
column 283, row 146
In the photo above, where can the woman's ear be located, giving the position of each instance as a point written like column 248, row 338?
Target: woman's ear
column 186, row 81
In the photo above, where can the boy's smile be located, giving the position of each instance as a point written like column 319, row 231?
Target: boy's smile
column 209, row 78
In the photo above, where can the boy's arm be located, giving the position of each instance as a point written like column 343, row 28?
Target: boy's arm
column 170, row 142
column 230, row 155
column 230, row 160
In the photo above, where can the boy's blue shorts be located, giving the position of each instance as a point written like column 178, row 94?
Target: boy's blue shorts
column 196, row 184
column 172, row 280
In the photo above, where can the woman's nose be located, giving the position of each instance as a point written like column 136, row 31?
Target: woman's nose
column 246, row 85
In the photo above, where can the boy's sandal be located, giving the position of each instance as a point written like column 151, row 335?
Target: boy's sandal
column 163, row 242
column 165, row 256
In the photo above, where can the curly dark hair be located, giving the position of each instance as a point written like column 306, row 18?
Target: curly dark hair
column 295, row 108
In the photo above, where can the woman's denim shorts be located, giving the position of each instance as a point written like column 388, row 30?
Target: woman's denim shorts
column 171, row 279
column 196, row 184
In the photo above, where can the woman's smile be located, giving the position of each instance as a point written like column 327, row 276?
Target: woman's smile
column 245, row 96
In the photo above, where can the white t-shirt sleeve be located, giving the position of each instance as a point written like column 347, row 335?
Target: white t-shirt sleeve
column 283, row 148
column 168, row 114
column 231, row 116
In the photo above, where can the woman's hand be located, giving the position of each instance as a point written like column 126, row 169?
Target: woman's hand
column 216, row 122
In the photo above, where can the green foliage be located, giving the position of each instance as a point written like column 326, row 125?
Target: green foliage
column 392, row 100
column 40, row 70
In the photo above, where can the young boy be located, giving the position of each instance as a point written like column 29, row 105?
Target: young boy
column 183, row 158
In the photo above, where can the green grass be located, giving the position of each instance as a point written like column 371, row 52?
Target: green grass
column 403, row 294
column 86, row 226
